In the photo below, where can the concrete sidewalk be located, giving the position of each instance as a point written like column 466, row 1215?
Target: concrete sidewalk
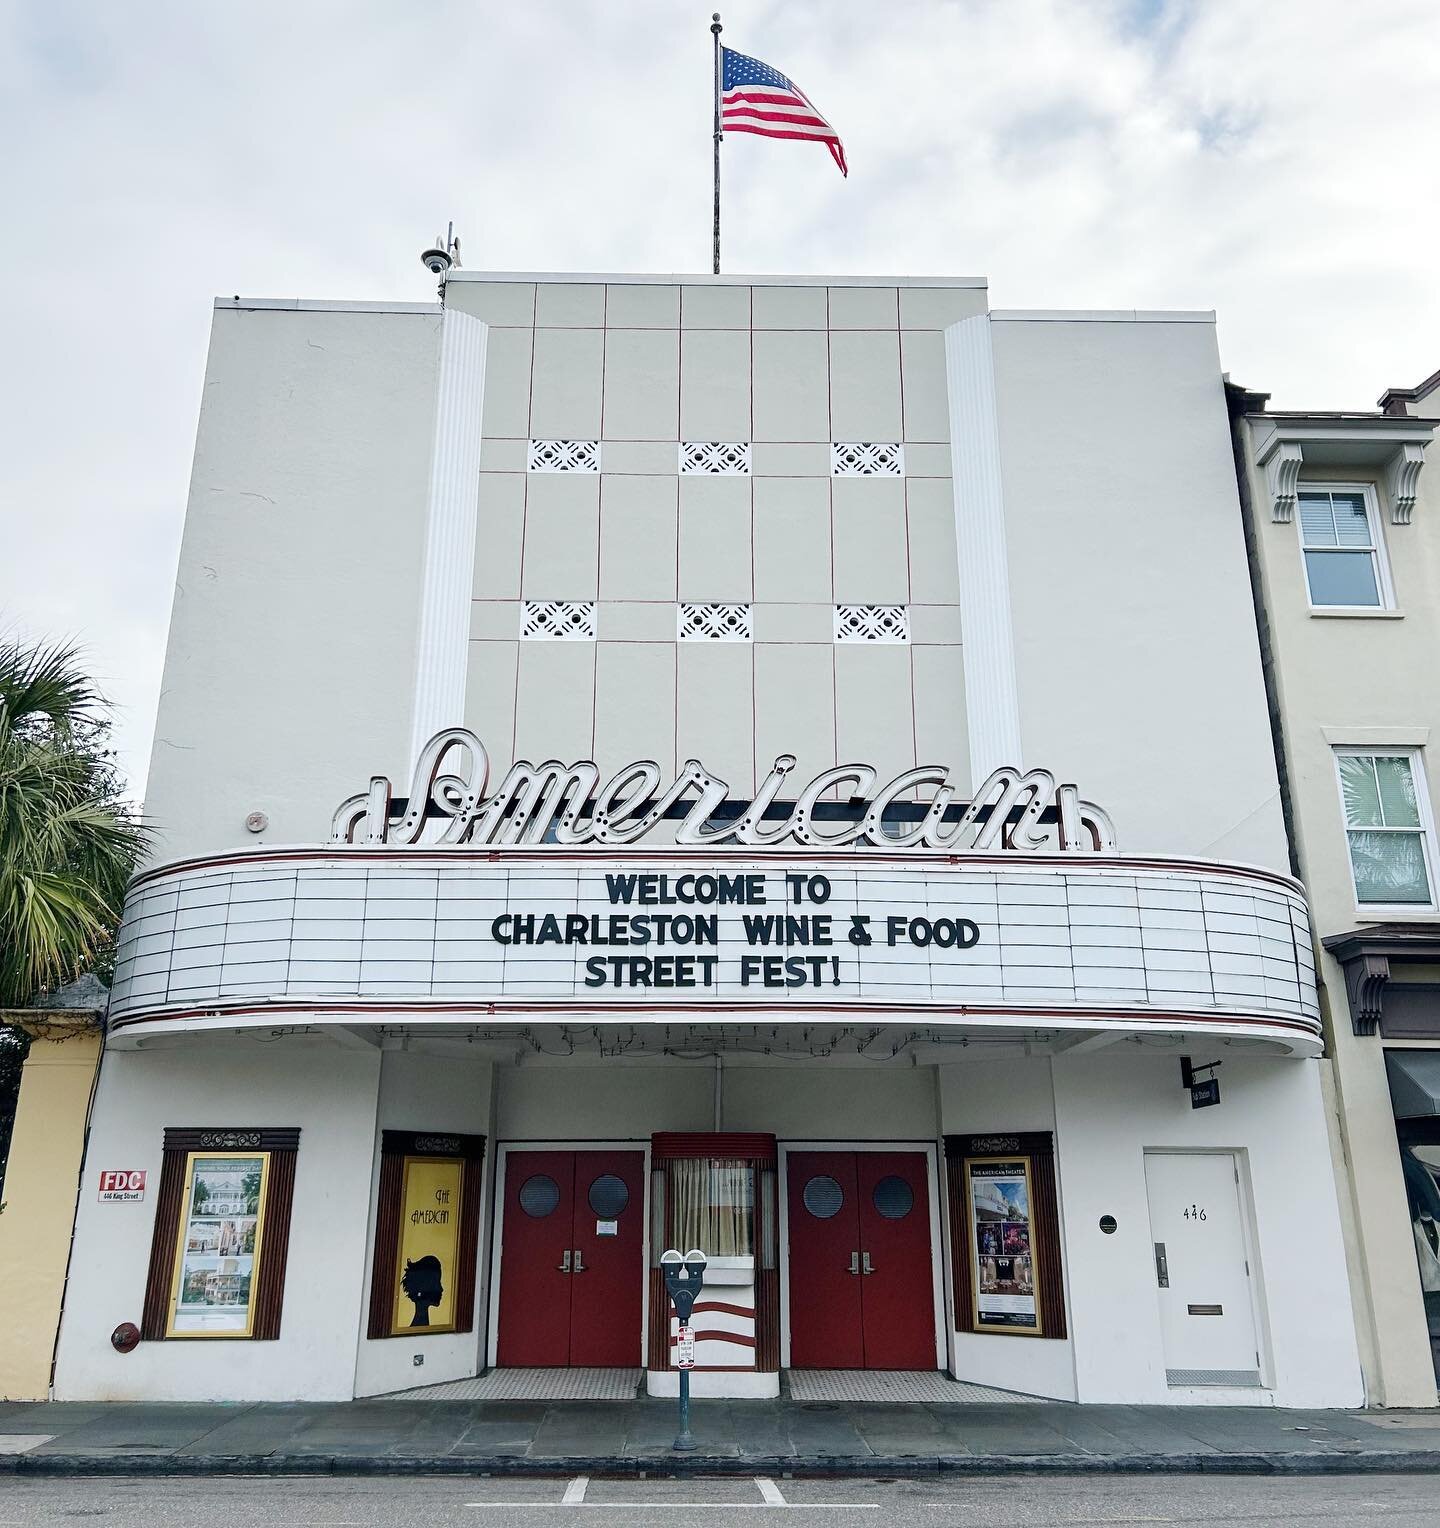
column 779, row 1438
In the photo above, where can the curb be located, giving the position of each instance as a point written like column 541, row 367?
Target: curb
column 632, row 1466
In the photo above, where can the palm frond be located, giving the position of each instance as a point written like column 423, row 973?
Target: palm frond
column 44, row 683
column 68, row 844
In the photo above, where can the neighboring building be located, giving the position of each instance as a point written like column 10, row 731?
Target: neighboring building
column 911, row 1079
column 1345, row 530
column 37, row 1200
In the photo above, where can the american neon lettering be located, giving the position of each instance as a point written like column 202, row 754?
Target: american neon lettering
column 565, row 804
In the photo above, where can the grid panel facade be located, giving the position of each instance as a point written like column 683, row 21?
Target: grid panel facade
column 672, row 456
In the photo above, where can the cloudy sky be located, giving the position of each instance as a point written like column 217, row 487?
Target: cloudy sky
column 1272, row 161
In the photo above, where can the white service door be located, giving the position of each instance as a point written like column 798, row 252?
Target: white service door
column 1206, row 1311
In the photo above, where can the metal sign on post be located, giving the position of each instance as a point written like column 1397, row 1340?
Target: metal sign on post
column 685, row 1348
column 684, row 1279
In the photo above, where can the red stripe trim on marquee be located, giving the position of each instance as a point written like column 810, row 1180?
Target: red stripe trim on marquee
column 1070, row 1017
column 712, row 859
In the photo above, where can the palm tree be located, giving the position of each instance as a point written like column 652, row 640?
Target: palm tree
column 68, row 844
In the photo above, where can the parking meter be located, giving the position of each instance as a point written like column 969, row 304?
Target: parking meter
column 684, row 1279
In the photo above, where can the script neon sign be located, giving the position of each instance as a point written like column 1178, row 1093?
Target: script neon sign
column 565, row 804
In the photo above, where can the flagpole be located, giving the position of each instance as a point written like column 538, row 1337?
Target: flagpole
column 715, row 29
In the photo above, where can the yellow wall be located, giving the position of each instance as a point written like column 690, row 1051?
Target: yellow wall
column 39, row 1211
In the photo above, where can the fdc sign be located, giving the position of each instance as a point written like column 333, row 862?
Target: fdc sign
column 122, row 1185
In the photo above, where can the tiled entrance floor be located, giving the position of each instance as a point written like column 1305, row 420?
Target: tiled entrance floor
column 865, row 1385
column 533, row 1385
column 889, row 1385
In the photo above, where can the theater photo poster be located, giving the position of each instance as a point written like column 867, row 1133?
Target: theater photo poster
column 217, row 1254
column 1002, row 1242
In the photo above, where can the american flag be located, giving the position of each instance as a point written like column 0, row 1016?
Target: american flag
column 759, row 99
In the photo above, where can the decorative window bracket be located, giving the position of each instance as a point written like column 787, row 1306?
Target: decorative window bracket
column 1366, row 956
column 1393, row 445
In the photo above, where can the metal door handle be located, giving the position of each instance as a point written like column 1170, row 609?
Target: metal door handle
column 579, row 1262
column 1162, row 1268
column 565, row 1262
column 865, row 1264
column 854, row 1263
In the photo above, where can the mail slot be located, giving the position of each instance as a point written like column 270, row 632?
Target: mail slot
column 1206, row 1310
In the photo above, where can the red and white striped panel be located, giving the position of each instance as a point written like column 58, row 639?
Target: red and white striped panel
column 724, row 1334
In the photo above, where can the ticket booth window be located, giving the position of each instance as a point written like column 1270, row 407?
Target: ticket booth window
column 712, row 1206
column 717, row 1192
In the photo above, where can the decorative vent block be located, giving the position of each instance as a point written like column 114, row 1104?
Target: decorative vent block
column 564, row 456
column 722, row 458
column 559, row 620
column 872, row 623
column 715, row 623
column 866, row 458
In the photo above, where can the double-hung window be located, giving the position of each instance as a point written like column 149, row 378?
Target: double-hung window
column 1340, row 542
column 1388, row 825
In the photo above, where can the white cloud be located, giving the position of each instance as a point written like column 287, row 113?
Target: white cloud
column 1267, row 161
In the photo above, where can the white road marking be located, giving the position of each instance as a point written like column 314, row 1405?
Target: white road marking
column 770, row 1492
column 575, row 1491
column 730, row 1506
column 22, row 1443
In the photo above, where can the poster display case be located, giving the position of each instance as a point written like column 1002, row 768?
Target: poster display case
column 1001, row 1223
column 219, row 1245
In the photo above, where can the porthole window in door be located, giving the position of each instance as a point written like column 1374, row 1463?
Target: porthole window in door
column 823, row 1197
column 538, row 1196
column 893, row 1198
column 608, row 1196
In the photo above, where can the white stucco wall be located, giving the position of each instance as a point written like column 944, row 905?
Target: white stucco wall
column 290, row 668
column 588, row 1100
column 425, row 1091
column 331, row 1095
column 977, row 1097
column 794, row 1100
column 1137, row 661
column 1108, row 1110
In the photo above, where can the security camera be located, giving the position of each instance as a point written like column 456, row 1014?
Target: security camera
column 436, row 261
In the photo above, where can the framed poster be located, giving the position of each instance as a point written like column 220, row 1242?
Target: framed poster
column 1003, row 1253
column 217, row 1252
column 426, row 1268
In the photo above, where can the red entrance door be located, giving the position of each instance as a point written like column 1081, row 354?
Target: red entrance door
column 861, row 1286
column 571, row 1259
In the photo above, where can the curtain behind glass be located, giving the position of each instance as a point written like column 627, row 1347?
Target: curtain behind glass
column 712, row 1207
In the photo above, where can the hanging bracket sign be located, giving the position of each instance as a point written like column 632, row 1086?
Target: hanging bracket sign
column 1204, row 1091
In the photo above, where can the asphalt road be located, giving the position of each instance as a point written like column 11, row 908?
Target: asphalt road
column 1010, row 1502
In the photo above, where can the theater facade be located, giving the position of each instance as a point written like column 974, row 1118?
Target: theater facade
column 771, row 765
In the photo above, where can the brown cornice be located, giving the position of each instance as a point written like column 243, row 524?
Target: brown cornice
column 1365, row 955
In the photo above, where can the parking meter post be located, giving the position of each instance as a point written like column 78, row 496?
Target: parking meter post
column 684, row 1279
column 684, row 1442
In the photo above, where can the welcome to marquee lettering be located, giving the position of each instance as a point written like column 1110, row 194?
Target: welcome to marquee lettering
column 566, row 805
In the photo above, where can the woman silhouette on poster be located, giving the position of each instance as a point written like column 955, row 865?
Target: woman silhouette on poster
column 421, row 1285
